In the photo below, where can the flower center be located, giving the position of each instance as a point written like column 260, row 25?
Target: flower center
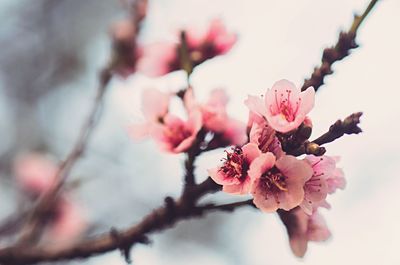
column 286, row 106
column 235, row 164
column 274, row 181
column 177, row 133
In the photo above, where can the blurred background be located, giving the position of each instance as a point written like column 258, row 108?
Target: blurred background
column 51, row 52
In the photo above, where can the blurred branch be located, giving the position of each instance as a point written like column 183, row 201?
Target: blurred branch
column 161, row 218
column 31, row 229
column 348, row 126
column 346, row 42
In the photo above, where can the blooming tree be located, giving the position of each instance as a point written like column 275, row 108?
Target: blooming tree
column 268, row 162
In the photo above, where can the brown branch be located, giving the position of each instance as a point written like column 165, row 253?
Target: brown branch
column 348, row 126
column 161, row 218
column 346, row 42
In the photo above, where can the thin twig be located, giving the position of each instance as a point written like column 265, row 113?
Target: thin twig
column 348, row 126
column 346, row 42
column 31, row 231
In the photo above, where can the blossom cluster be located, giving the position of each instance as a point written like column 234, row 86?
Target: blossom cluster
column 259, row 162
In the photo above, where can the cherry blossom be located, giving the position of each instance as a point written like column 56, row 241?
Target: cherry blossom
column 306, row 228
column 175, row 135
column 285, row 107
column 154, row 108
column 278, row 185
column 233, row 173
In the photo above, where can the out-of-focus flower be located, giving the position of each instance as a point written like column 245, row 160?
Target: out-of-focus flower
column 158, row 59
column 35, row 173
column 154, row 108
column 216, row 118
column 305, row 228
column 175, row 135
column 162, row 58
column 278, row 185
column 285, row 107
column 233, row 173
column 336, row 180
column 67, row 223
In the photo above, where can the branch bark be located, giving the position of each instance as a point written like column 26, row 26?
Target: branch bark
column 345, row 43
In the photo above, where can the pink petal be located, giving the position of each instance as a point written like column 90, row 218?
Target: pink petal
column 296, row 170
column 261, row 164
column 251, row 151
column 154, row 104
column 307, row 100
column 238, row 189
column 218, row 98
column 255, row 105
column 235, row 132
column 156, row 58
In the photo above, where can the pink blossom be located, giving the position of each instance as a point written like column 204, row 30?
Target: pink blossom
column 35, row 173
column 175, row 135
column 213, row 41
column 264, row 136
column 306, row 228
column 68, row 223
column 278, row 186
column 216, row 118
column 158, row 59
column 285, row 106
column 336, row 180
column 233, row 173
column 316, row 188
column 162, row 58
column 154, row 108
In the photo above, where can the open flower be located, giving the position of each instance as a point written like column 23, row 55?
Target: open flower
column 304, row 228
column 316, row 188
column 154, row 108
column 175, row 135
column 278, row 185
column 285, row 106
column 233, row 173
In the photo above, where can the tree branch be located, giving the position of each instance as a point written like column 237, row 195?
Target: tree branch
column 161, row 218
column 348, row 126
column 346, row 42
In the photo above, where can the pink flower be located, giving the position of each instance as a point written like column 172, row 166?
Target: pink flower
column 316, row 188
column 279, row 186
column 175, row 135
column 233, row 173
column 68, row 223
column 158, row 59
column 336, row 180
column 285, row 106
column 154, row 108
column 215, row 40
column 264, row 136
column 216, row 118
column 162, row 58
column 35, row 173
column 306, row 228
